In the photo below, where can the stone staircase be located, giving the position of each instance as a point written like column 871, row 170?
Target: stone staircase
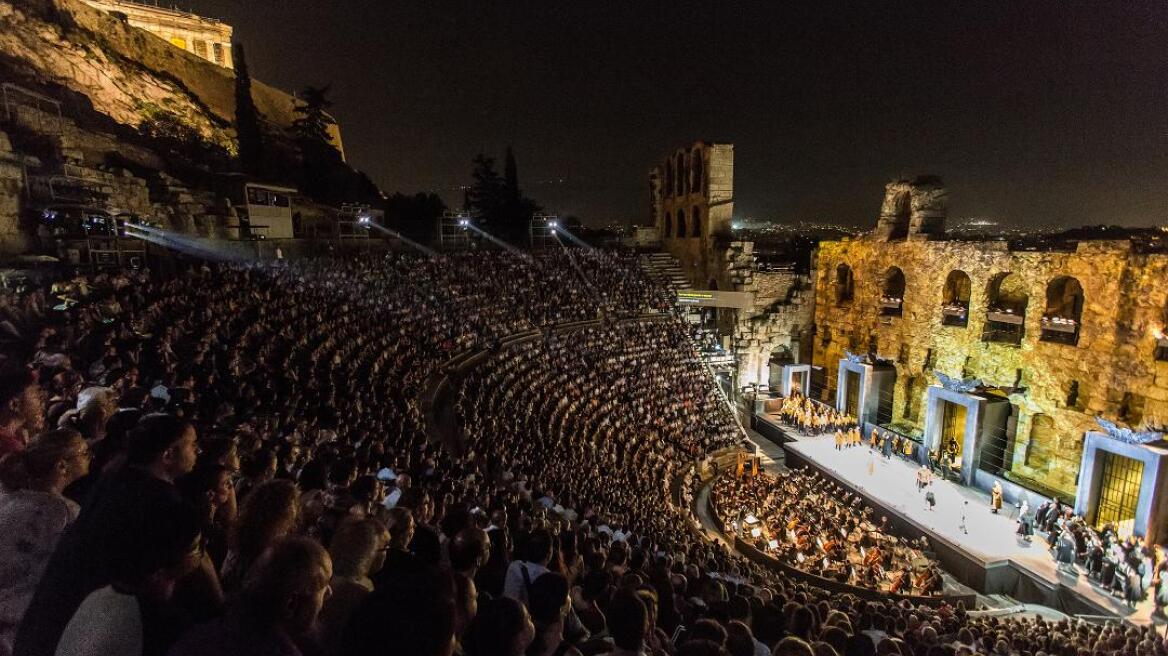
column 665, row 268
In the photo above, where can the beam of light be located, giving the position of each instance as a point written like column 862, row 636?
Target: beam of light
column 219, row 251
column 498, row 242
column 399, row 236
column 558, row 229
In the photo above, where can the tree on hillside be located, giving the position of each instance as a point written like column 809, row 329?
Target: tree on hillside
column 312, row 123
column 321, row 173
column 498, row 201
column 247, row 118
column 415, row 216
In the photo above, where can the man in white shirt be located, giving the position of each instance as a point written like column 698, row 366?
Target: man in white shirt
column 521, row 573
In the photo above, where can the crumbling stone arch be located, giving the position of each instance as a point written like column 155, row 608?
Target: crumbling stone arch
column 680, row 169
column 901, row 215
column 681, row 231
column 697, row 171
column 845, row 284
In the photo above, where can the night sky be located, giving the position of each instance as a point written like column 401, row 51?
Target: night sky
column 1033, row 113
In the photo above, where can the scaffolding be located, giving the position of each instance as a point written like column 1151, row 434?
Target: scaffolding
column 454, row 230
column 542, row 231
column 20, row 103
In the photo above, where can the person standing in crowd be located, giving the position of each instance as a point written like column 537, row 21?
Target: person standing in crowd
column 34, row 512
column 123, row 510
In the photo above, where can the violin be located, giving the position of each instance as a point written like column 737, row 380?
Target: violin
column 873, row 557
column 924, row 580
column 897, row 582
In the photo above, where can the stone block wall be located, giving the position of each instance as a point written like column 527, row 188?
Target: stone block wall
column 1111, row 371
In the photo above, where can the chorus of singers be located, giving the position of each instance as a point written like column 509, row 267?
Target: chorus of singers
column 815, row 418
column 811, row 524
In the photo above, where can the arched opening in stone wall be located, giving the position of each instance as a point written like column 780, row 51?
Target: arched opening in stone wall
column 892, row 292
column 668, row 224
column 696, row 221
column 681, row 176
column 681, row 232
column 902, row 216
column 1006, row 301
column 1041, row 441
column 698, row 171
column 668, row 182
column 955, row 299
column 1064, row 311
column 845, row 284
column 1160, row 333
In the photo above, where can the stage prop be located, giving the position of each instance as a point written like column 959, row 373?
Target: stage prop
column 1118, row 480
column 795, row 377
column 982, row 414
column 861, row 384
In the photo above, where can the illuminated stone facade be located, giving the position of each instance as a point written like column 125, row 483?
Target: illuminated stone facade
column 691, row 206
column 1065, row 334
column 206, row 38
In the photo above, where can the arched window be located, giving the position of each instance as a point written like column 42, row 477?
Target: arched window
column 681, row 176
column 845, row 284
column 1006, row 301
column 955, row 299
column 696, row 221
column 892, row 292
column 696, row 166
column 668, row 224
column 1064, row 311
column 681, row 224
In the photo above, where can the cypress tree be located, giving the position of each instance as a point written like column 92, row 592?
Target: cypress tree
column 247, row 121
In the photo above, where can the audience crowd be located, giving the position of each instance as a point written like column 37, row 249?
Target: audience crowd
column 235, row 459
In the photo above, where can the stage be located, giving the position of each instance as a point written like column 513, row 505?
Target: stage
column 987, row 555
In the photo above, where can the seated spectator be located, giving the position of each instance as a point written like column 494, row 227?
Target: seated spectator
column 268, row 514
column 133, row 615
column 34, row 512
column 549, row 605
column 277, row 607
column 502, row 627
column 113, row 528
column 358, row 551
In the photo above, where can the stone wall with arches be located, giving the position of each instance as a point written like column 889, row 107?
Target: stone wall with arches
column 1071, row 332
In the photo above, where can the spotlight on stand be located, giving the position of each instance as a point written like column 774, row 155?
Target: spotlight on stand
column 364, row 219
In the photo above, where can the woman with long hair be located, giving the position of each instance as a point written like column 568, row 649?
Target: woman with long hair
column 268, row 514
column 34, row 512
